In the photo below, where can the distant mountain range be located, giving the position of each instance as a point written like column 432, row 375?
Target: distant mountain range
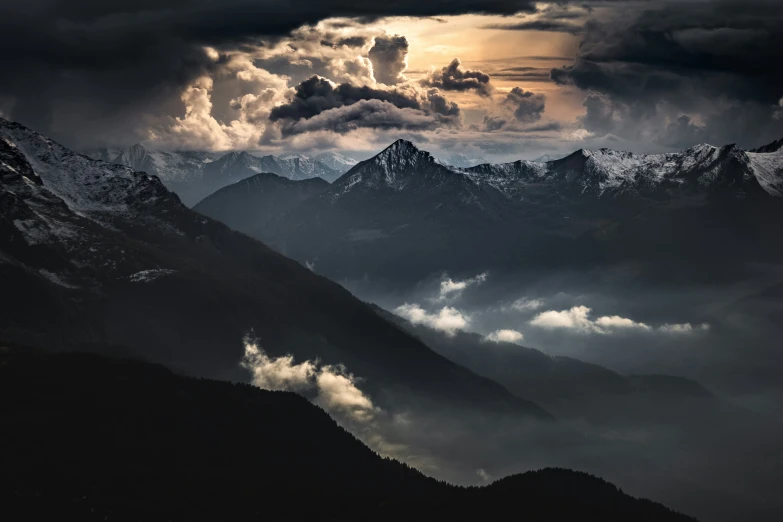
column 194, row 175
column 115, row 260
column 403, row 215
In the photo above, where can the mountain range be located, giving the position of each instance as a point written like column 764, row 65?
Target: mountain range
column 194, row 175
column 116, row 260
column 403, row 215
column 98, row 257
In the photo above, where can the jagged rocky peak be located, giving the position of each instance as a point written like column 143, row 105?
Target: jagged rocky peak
column 84, row 184
column 14, row 167
column 401, row 154
column 775, row 146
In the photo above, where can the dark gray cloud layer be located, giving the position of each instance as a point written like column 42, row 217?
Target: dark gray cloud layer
column 77, row 69
column 528, row 106
column 320, row 105
column 685, row 58
column 556, row 26
column 454, row 78
column 317, row 95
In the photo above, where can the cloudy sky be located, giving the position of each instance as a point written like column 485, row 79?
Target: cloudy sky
column 493, row 79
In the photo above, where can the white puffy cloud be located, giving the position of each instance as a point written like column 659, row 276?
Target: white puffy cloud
column 226, row 111
column 577, row 319
column 778, row 114
column 447, row 320
column 450, row 288
column 279, row 373
column 573, row 319
column 335, row 389
column 505, row 336
column 615, row 321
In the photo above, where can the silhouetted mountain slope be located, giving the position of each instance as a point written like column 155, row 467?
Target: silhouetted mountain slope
column 571, row 388
column 89, row 438
column 116, row 260
column 402, row 215
column 237, row 203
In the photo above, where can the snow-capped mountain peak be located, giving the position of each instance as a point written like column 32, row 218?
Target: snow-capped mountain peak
column 399, row 156
column 87, row 186
column 336, row 161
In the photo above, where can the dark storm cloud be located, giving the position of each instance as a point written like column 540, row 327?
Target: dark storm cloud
column 682, row 130
column 519, row 107
column 600, row 114
column 735, row 42
column 553, row 18
column 528, row 106
column 316, row 95
column 320, row 105
column 687, row 58
column 351, row 41
column 83, row 69
column 440, row 105
column 454, row 78
column 373, row 113
column 493, row 123
column 555, row 26
column 524, row 74
column 388, row 56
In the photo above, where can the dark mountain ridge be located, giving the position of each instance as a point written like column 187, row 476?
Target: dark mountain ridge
column 403, row 216
column 153, row 445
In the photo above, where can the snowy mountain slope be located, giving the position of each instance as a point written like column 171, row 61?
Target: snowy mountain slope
column 768, row 169
column 393, row 168
column 336, row 161
column 702, row 167
column 463, row 161
column 171, row 167
column 193, row 176
column 404, row 214
column 94, row 254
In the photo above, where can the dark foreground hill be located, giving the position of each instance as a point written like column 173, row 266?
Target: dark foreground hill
column 89, row 438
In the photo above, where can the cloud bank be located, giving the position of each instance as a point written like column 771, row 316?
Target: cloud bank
column 577, row 319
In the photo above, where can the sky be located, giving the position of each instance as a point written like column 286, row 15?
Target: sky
column 492, row 80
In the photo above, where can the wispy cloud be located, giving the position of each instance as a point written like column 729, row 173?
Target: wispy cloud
column 685, row 328
column 524, row 304
column 448, row 319
column 578, row 319
column 450, row 288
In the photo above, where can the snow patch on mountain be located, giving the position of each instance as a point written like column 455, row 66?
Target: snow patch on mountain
column 147, row 276
column 768, row 168
column 86, row 185
column 335, row 161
